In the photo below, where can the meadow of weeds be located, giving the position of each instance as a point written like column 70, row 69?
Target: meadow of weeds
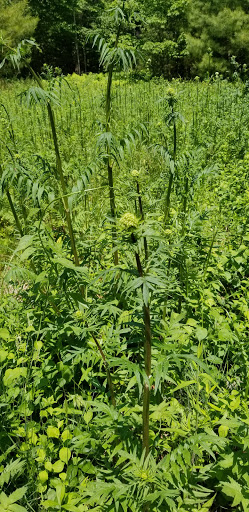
column 124, row 359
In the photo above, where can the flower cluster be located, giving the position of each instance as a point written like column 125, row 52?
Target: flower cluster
column 171, row 96
column 129, row 222
column 135, row 173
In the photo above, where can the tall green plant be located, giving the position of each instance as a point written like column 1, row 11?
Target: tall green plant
column 111, row 58
column 171, row 118
column 16, row 56
column 130, row 223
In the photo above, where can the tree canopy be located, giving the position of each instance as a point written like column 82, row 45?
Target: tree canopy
column 174, row 37
column 16, row 21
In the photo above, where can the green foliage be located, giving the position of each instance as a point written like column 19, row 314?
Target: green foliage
column 73, row 372
column 16, row 22
column 218, row 38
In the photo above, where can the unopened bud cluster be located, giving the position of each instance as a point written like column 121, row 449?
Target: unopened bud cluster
column 129, row 222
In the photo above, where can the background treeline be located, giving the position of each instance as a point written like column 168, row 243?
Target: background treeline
column 173, row 37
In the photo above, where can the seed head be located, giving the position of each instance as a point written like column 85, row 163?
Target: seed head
column 129, row 222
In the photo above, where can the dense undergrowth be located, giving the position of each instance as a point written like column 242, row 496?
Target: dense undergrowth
column 73, row 373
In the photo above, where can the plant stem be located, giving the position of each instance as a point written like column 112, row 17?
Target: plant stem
column 63, row 184
column 182, row 259
column 109, row 165
column 167, row 206
column 108, row 373
column 171, row 177
column 59, row 169
column 147, row 364
column 146, row 253
column 12, row 207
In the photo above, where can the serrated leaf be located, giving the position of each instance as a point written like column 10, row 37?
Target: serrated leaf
column 16, row 508
column 17, row 495
column 232, row 489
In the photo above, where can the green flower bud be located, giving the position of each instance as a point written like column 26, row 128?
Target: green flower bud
column 79, row 315
column 171, row 96
column 129, row 222
column 135, row 173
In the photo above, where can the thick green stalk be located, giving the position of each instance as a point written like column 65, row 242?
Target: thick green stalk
column 59, row 169
column 185, row 202
column 167, row 296
column 14, row 213
column 171, row 177
column 109, row 164
column 112, row 208
column 167, row 206
column 63, row 184
column 108, row 373
column 146, row 252
column 182, row 255
column 146, row 400
column 147, row 364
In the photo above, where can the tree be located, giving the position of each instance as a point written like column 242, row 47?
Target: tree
column 16, row 21
column 218, row 34
column 61, row 33
column 162, row 35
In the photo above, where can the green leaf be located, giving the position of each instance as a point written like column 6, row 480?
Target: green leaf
column 199, row 350
column 3, row 355
column 17, row 495
column 66, row 435
column 4, row 334
column 58, row 466
column 88, row 416
column 70, row 508
column 60, row 492
column 65, row 454
column 183, row 384
column 146, row 294
column 201, row 333
column 50, row 504
column 48, row 466
column 4, row 500
column 13, row 374
column 228, row 461
column 17, row 508
column 223, row 430
column 43, row 476
column 53, row 432
column 64, row 262
column 234, row 490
